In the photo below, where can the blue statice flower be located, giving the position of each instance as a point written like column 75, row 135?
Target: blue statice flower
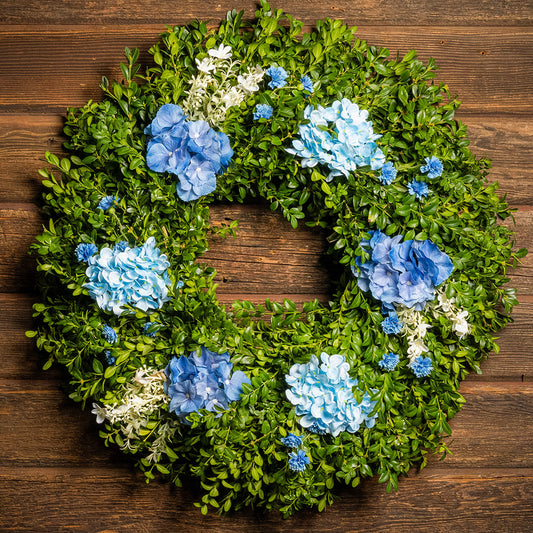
column 307, row 83
column 388, row 173
column 389, row 361
column 109, row 334
column 202, row 381
column 391, row 325
column 322, row 393
column 262, row 111
column 403, row 273
column 339, row 137
column 85, row 251
column 191, row 150
column 418, row 189
column 278, row 77
column 107, row 201
column 135, row 276
column 433, row 167
column 150, row 329
column 111, row 361
column 421, row 366
column 298, row 461
column 292, row 440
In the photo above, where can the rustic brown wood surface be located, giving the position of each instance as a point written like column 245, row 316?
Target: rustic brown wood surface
column 56, row 474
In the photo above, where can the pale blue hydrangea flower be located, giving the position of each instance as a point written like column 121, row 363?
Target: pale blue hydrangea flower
column 322, row 394
column 298, row 461
column 388, row 173
column 107, row 201
column 389, row 361
column 84, row 251
column 307, row 83
column 263, row 111
column 292, row 440
column 391, row 325
column 278, row 77
column 433, row 167
column 202, row 381
column 418, row 189
column 136, row 276
column 421, row 366
column 339, row 137
column 109, row 334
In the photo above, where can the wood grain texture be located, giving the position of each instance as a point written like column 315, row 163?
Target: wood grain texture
column 67, row 63
column 56, row 474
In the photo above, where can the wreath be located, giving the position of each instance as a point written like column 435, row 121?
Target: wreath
column 271, row 405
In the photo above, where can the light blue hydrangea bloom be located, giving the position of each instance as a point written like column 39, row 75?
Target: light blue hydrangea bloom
column 298, row 461
column 107, row 201
column 418, row 189
column 389, row 361
column 278, row 77
column 263, row 111
column 403, row 273
column 135, row 276
column 322, row 393
column 109, row 334
column 421, row 366
column 202, row 381
column 433, row 167
column 388, row 173
column 191, row 150
column 292, row 440
column 339, row 137
column 84, row 251
column 307, row 83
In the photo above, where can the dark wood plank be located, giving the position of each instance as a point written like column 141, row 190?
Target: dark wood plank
column 115, row 499
column 504, row 138
column 61, row 67
column 420, row 12
column 265, row 258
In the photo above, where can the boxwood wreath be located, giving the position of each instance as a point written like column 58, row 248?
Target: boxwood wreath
column 271, row 405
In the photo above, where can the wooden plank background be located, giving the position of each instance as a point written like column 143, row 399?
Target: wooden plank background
column 56, row 474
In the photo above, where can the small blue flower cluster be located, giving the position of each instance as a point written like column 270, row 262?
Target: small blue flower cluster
column 421, row 366
column 388, row 173
column 402, row 272
column 292, row 440
column 202, row 381
column 110, row 360
column 419, row 189
column 322, row 395
column 191, row 150
column 298, row 461
column 278, row 77
column 135, row 276
column 109, row 334
column 391, row 325
column 263, row 111
column 340, row 137
column 433, row 167
column 150, row 329
column 307, row 84
column 84, row 251
column 107, row 201
column 389, row 361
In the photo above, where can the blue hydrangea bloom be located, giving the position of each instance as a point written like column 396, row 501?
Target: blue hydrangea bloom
column 262, row 111
column 421, row 366
column 391, row 325
column 418, row 189
column 403, row 273
column 322, row 394
column 135, row 276
column 388, row 173
column 278, row 77
column 307, row 83
column 292, row 440
column 107, row 201
column 350, row 146
column 433, row 167
column 298, row 461
column 109, row 334
column 202, row 381
column 389, row 361
column 84, row 251
column 191, row 150
column 111, row 361
column 150, row 329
